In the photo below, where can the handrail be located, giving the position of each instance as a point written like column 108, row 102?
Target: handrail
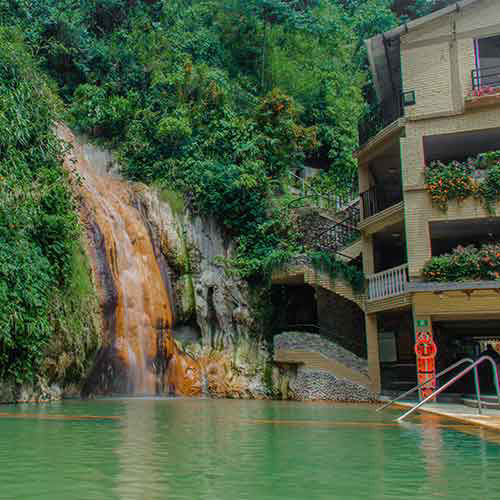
column 423, row 384
column 465, row 371
column 377, row 198
column 338, row 202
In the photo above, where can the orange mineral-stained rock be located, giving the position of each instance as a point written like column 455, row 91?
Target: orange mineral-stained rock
column 184, row 374
column 134, row 297
column 222, row 380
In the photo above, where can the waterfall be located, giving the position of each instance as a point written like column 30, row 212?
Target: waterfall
column 139, row 355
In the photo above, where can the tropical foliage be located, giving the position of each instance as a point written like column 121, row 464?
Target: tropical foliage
column 213, row 100
column 216, row 99
column 39, row 234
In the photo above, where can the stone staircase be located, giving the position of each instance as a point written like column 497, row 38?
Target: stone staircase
column 324, row 369
column 301, row 270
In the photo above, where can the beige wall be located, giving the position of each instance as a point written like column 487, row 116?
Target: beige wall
column 438, row 57
column 419, row 210
column 437, row 60
column 482, row 304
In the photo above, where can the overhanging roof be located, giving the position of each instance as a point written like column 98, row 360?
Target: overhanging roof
column 416, row 23
column 382, row 48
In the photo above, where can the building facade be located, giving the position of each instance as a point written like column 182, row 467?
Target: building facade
column 438, row 82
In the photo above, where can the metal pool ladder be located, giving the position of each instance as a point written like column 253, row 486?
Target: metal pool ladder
column 472, row 366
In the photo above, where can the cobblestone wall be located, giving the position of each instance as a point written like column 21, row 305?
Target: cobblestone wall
column 319, row 385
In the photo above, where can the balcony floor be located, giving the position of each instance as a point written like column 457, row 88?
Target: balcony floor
column 382, row 219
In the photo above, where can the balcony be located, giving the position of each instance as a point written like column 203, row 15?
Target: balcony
column 485, row 88
column 388, row 283
column 486, row 78
column 376, row 200
column 388, row 111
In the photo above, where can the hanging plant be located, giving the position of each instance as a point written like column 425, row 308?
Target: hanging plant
column 479, row 176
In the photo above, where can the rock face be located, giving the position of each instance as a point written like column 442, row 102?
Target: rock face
column 194, row 248
column 214, row 322
column 174, row 321
column 39, row 392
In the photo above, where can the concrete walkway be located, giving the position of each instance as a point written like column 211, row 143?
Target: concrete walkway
column 489, row 418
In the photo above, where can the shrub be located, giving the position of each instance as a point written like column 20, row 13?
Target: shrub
column 465, row 263
column 39, row 232
column 334, row 267
column 234, row 194
column 101, row 112
column 490, row 187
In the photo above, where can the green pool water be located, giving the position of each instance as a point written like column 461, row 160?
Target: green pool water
column 228, row 450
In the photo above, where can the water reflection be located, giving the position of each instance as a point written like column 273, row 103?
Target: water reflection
column 137, row 477
column 432, row 449
column 221, row 450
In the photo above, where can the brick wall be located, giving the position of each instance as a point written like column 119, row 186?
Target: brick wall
column 438, row 57
column 419, row 210
column 340, row 318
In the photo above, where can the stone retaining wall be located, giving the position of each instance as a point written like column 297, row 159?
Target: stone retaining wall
column 320, row 385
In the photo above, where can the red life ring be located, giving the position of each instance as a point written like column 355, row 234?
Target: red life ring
column 422, row 346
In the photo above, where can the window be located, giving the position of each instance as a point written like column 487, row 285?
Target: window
column 487, row 53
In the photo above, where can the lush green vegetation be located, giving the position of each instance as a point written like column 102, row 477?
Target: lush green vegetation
column 465, row 264
column 213, row 101
column 334, row 267
column 40, row 257
column 478, row 176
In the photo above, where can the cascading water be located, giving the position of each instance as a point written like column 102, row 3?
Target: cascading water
column 140, row 356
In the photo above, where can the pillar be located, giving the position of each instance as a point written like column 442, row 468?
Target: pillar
column 372, row 350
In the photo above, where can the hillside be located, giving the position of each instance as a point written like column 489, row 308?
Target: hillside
column 212, row 102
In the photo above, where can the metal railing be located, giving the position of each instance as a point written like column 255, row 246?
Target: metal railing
column 450, row 382
column 375, row 199
column 334, row 236
column 308, row 195
column 486, row 77
column 388, row 283
column 388, row 111
column 426, row 383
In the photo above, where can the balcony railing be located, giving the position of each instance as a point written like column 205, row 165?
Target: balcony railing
column 388, row 283
column 336, row 236
column 388, row 111
column 486, row 77
column 375, row 200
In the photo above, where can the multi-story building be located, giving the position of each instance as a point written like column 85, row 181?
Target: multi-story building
column 438, row 82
